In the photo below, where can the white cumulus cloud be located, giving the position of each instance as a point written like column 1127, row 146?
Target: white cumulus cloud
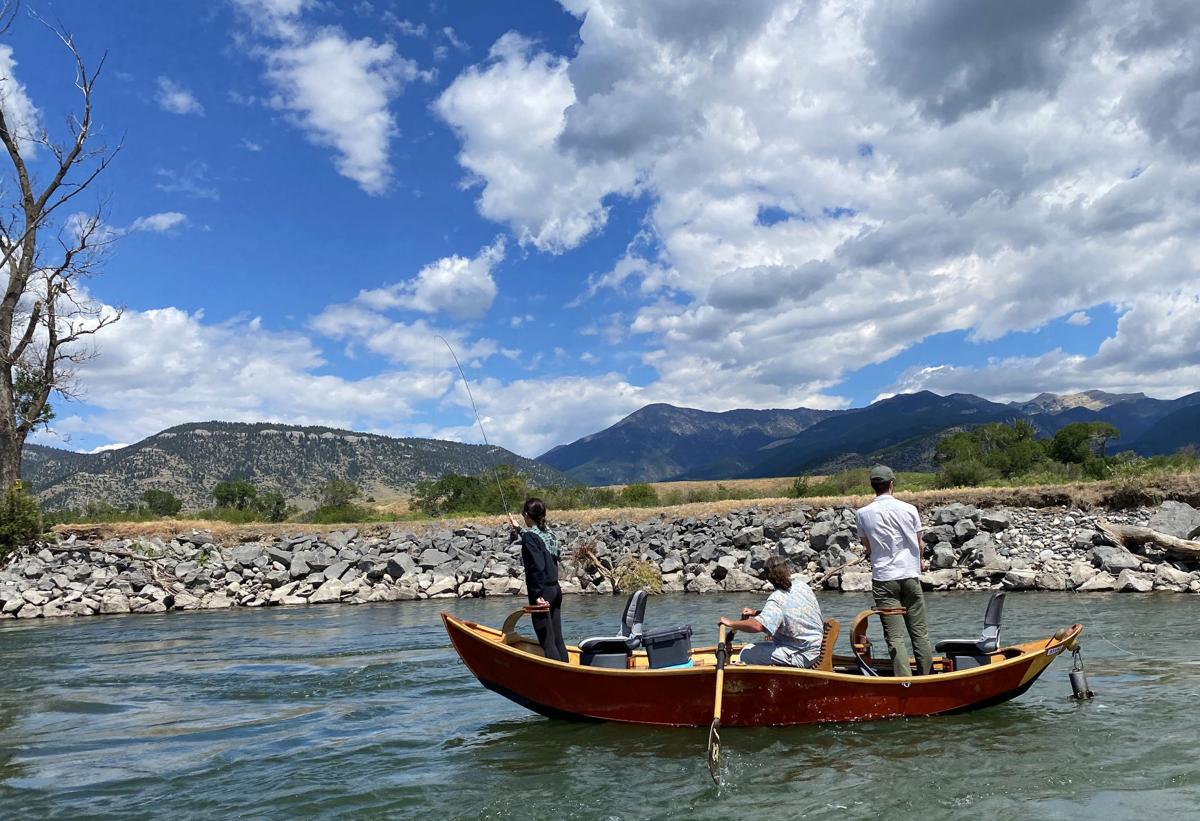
column 176, row 99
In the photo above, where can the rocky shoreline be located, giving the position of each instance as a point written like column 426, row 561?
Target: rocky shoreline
column 966, row 548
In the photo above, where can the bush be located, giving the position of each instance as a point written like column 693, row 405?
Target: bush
column 20, row 519
column 161, row 503
column 638, row 495
column 964, row 473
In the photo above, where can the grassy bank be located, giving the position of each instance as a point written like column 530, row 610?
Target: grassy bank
column 1120, row 493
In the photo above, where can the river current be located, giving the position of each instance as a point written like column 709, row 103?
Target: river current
column 365, row 712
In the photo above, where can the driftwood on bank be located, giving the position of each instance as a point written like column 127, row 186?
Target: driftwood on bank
column 1129, row 536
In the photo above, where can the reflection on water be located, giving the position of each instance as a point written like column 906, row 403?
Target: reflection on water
column 366, row 712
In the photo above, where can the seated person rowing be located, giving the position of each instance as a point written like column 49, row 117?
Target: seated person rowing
column 791, row 618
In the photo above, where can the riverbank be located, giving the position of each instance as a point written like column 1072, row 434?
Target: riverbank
column 966, row 548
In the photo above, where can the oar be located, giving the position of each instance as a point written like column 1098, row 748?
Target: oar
column 714, row 737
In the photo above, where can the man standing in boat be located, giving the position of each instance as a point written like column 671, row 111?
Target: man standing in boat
column 891, row 532
column 791, row 618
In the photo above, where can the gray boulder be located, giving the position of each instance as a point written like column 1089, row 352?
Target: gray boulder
column 856, row 581
column 1132, row 582
column 1176, row 519
column 1019, row 580
column 995, row 520
column 1167, row 577
column 327, row 593
column 943, row 556
column 749, row 536
column 964, row 529
column 820, row 533
column 1115, row 559
column 951, row 513
column 114, row 601
column 432, row 558
column 246, row 555
column 1101, row 582
column 1050, row 581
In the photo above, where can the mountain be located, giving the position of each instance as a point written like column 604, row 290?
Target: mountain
column 188, row 460
column 1089, row 400
column 1133, row 415
column 663, row 442
column 882, row 424
column 1176, row 430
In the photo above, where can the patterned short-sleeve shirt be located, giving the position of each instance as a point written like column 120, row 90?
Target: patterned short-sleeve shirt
column 793, row 618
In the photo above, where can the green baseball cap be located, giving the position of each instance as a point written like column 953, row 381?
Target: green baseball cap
column 883, row 473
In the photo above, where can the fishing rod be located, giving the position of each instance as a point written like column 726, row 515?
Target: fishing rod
column 479, row 421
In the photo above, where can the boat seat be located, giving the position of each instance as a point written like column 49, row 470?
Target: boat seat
column 829, row 637
column 629, row 639
column 976, row 652
column 860, row 644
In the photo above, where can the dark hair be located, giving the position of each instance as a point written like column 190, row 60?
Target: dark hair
column 779, row 572
column 881, row 485
column 535, row 509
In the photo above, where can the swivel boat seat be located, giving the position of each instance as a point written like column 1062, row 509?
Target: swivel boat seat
column 966, row 653
column 614, row 651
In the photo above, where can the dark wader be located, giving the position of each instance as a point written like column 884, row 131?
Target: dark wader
column 548, row 626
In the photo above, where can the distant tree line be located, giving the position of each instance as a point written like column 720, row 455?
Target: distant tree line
column 1001, row 450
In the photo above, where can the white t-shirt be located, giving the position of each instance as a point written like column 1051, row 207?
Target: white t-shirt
column 892, row 529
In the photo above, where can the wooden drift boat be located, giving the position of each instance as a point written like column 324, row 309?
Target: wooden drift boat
column 754, row 696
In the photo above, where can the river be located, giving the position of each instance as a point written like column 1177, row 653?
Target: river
column 365, row 712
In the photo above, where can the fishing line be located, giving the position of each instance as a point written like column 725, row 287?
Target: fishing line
column 479, row 421
column 1093, row 620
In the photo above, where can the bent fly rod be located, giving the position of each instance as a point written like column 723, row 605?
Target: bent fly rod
column 479, row 421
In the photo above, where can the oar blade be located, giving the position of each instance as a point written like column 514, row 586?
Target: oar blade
column 714, row 751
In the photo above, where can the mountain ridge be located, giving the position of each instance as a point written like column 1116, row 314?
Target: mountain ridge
column 903, row 428
column 189, row 459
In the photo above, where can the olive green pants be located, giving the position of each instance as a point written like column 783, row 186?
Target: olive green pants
column 905, row 593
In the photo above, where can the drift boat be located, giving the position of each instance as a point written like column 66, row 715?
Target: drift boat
column 970, row 675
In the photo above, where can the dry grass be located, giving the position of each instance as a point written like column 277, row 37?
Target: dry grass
column 1087, row 495
column 759, row 488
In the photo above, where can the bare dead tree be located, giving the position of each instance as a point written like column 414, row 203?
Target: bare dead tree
column 47, row 248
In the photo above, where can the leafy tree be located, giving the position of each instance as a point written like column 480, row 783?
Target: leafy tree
column 1081, row 442
column 272, row 506
column 338, row 493
column 237, row 494
column 20, row 519
column 161, row 502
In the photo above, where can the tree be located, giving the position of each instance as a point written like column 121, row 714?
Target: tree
column 161, row 502
column 236, row 493
column 338, row 493
column 46, row 248
column 1081, row 442
column 273, row 506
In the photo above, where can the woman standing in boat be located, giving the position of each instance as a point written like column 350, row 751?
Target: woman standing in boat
column 539, row 555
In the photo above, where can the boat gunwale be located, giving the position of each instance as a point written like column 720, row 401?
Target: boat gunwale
column 1029, row 651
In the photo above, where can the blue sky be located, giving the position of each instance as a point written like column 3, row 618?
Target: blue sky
column 604, row 204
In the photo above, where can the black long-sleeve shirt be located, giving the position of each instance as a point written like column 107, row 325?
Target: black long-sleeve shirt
column 541, row 566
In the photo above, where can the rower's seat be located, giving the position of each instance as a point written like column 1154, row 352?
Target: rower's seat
column 975, row 652
column 612, row 651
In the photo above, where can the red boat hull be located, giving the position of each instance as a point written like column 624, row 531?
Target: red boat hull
column 753, row 696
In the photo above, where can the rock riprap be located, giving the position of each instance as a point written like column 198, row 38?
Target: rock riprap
column 965, row 548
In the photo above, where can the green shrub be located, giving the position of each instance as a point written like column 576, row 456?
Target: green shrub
column 20, row 519
column 638, row 494
column 161, row 503
column 964, row 473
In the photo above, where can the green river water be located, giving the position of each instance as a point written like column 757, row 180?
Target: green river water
column 365, row 712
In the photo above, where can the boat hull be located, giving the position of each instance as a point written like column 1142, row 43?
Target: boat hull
column 754, row 696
